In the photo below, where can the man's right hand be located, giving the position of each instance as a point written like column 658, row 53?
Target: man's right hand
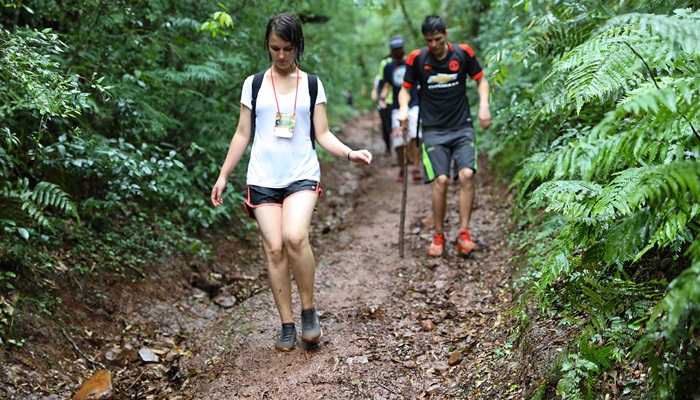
column 402, row 116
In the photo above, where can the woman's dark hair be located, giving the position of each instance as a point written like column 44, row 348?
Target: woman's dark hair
column 288, row 28
column 433, row 23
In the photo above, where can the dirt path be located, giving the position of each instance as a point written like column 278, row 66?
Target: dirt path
column 394, row 328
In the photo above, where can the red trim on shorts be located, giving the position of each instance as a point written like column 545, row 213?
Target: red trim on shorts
column 249, row 207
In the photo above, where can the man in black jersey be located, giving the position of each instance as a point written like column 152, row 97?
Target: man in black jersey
column 440, row 70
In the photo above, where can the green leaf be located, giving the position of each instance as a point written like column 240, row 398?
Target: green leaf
column 24, row 233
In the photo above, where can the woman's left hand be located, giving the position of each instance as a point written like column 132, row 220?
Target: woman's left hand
column 360, row 156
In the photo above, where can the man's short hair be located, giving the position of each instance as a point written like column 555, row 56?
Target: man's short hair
column 433, row 23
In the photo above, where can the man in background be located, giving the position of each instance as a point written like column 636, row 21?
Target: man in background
column 441, row 69
column 392, row 77
column 385, row 110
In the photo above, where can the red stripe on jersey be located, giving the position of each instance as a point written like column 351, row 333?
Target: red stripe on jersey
column 467, row 48
column 412, row 56
column 479, row 75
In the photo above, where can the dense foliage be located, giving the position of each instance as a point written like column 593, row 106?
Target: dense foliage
column 597, row 122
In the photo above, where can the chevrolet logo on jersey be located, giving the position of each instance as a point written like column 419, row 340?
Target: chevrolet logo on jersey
column 442, row 78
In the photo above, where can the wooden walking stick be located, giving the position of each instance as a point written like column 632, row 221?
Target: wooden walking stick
column 374, row 128
column 404, row 171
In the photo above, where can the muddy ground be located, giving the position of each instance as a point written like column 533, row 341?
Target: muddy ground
column 395, row 327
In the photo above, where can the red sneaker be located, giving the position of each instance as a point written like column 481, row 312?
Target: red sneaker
column 399, row 179
column 437, row 247
column 464, row 244
column 417, row 176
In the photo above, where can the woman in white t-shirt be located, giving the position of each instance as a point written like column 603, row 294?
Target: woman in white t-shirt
column 284, row 175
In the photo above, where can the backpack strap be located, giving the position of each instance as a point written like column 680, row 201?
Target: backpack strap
column 420, row 62
column 257, row 82
column 461, row 54
column 313, row 93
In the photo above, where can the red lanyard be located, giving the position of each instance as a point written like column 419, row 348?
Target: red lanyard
column 296, row 92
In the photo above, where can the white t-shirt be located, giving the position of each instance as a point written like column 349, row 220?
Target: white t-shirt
column 277, row 162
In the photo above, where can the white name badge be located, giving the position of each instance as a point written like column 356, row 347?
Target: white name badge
column 284, row 125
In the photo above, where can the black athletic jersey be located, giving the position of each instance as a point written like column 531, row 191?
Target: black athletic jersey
column 443, row 84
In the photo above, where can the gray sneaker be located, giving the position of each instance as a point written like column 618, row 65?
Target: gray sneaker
column 310, row 329
column 287, row 338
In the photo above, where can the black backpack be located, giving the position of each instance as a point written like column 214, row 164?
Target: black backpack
column 313, row 91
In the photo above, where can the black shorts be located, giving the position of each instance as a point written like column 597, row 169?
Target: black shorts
column 259, row 196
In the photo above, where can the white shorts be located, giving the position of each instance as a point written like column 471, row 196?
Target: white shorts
column 397, row 132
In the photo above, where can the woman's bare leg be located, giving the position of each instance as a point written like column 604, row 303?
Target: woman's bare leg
column 296, row 219
column 269, row 220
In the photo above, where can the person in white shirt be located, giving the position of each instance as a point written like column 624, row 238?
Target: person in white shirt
column 283, row 176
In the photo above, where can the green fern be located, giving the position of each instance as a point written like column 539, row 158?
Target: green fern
column 666, row 95
column 553, row 36
column 606, row 144
column 676, row 227
column 23, row 207
column 603, row 67
column 684, row 293
column 608, row 213
column 617, row 198
column 207, row 72
column 680, row 30
column 621, row 140
column 617, row 59
column 679, row 180
column 568, row 198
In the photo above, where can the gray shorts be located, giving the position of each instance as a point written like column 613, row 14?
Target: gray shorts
column 440, row 148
